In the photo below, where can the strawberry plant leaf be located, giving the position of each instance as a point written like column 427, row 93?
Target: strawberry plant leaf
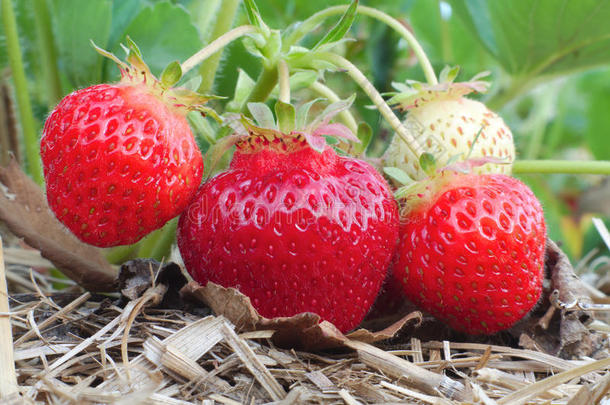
column 540, row 38
column 339, row 30
column 74, row 30
column 176, row 38
column 286, row 116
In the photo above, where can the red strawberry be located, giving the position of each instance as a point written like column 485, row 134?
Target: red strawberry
column 120, row 159
column 295, row 229
column 471, row 251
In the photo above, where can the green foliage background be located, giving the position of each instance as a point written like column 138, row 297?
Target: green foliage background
column 550, row 64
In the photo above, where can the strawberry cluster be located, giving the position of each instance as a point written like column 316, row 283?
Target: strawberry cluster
column 294, row 224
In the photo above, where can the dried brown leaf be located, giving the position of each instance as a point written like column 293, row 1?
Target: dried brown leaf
column 558, row 331
column 24, row 208
column 302, row 331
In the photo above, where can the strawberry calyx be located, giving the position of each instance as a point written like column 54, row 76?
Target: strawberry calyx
column 136, row 73
column 413, row 94
column 291, row 131
column 414, row 195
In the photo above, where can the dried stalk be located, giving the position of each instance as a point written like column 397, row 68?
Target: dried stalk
column 8, row 376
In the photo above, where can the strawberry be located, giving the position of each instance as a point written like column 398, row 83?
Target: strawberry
column 471, row 250
column 120, row 159
column 449, row 126
column 293, row 225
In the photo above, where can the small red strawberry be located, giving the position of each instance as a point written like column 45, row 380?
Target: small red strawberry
column 120, row 159
column 471, row 251
column 450, row 126
column 293, row 225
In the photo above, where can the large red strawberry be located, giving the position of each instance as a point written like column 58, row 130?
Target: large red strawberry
column 296, row 229
column 120, row 159
column 449, row 126
column 471, row 250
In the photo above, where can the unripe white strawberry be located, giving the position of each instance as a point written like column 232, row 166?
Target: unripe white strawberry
column 452, row 128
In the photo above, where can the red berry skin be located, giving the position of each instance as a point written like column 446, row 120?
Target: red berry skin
column 118, row 163
column 473, row 256
column 296, row 232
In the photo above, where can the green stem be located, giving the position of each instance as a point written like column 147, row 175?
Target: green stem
column 326, row 92
column 224, row 21
column 309, row 24
column 216, row 45
column 370, row 90
column 264, row 86
column 562, row 166
column 46, row 49
column 21, row 91
column 284, row 79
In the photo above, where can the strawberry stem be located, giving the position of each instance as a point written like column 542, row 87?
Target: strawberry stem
column 264, row 86
column 216, row 45
column 345, row 116
column 309, row 24
column 562, row 166
column 28, row 124
column 375, row 97
column 284, row 81
column 224, row 21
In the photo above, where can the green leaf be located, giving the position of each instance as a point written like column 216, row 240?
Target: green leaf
column 286, row 116
column 338, row 31
column 398, row 174
column 262, row 115
column 532, row 38
column 163, row 32
column 76, row 23
column 171, row 74
column 597, row 105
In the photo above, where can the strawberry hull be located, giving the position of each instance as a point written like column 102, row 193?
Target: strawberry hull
column 296, row 232
column 473, row 254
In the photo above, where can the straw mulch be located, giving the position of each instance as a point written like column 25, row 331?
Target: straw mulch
column 79, row 347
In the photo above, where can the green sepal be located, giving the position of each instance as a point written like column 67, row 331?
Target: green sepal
column 171, row 74
column 262, row 114
column 448, row 74
column 331, row 110
column 427, row 162
column 122, row 65
column 339, row 30
column 303, row 112
column 243, row 88
column 398, row 174
column 286, row 116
